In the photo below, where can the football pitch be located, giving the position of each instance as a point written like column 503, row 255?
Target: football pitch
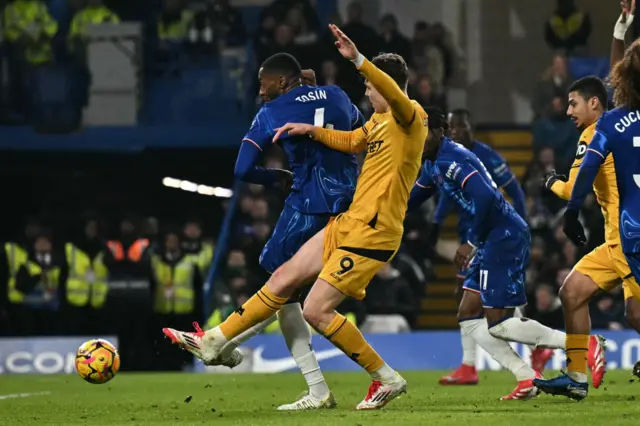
column 250, row 399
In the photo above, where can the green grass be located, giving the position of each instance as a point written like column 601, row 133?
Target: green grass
column 160, row 399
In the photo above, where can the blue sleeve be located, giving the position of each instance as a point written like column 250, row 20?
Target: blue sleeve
column 483, row 196
column 445, row 203
column 499, row 170
column 357, row 119
column 514, row 190
column 596, row 153
column 246, row 169
column 257, row 139
column 422, row 190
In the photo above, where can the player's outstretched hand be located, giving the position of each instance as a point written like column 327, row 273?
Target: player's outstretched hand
column 344, row 44
column 573, row 228
column 293, row 129
column 464, row 255
column 308, row 77
column 552, row 177
column 628, row 8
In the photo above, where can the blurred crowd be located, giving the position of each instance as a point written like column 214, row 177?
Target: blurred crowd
column 38, row 45
column 292, row 26
column 143, row 275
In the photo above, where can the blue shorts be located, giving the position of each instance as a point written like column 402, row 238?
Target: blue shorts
column 633, row 259
column 291, row 232
column 498, row 270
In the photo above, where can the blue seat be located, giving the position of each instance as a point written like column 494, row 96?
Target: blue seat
column 583, row 66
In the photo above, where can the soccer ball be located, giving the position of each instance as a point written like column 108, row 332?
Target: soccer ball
column 97, row 361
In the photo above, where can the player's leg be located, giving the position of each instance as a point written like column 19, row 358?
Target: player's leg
column 320, row 312
column 474, row 324
column 298, row 271
column 632, row 312
column 468, row 313
column 593, row 272
column 629, row 285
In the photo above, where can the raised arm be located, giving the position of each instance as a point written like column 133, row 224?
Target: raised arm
column 624, row 22
column 400, row 104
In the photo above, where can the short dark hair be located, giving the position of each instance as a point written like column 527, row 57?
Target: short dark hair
column 394, row 66
column 282, row 64
column 436, row 118
column 589, row 87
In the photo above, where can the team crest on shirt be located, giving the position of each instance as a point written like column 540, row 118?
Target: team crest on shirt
column 582, row 150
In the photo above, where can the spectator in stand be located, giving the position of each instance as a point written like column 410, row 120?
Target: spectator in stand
column 280, row 9
column 264, row 37
column 554, row 84
column 606, row 313
column 389, row 293
column 392, row 41
column 173, row 24
column 304, row 34
column 568, row 29
column 228, row 28
column 548, row 309
column 328, row 73
column 28, row 33
column 193, row 244
column 94, row 12
column 362, row 35
column 427, row 97
column 420, row 45
column 441, row 57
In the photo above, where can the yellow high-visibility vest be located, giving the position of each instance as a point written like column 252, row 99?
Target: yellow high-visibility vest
column 45, row 293
column 31, row 18
column 175, row 292
column 91, row 16
column 175, row 31
column 87, row 282
column 16, row 257
column 564, row 28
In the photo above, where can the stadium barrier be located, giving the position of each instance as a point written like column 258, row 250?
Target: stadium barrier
column 428, row 350
column 41, row 355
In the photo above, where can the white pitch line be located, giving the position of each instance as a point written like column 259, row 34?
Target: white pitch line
column 24, row 395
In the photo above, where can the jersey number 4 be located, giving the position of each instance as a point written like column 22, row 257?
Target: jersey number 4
column 318, row 119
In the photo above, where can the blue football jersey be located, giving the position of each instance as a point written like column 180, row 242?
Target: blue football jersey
column 496, row 165
column 324, row 180
column 617, row 132
column 483, row 204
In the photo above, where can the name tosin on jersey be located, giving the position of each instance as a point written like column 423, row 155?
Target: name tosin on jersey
column 626, row 121
column 314, row 95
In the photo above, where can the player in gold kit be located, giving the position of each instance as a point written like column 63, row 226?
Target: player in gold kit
column 343, row 257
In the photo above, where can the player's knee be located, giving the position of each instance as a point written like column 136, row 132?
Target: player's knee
column 283, row 279
column 576, row 290
column 312, row 314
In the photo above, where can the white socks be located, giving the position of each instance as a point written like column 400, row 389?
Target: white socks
column 246, row 335
column 529, row 332
column 384, row 374
column 298, row 337
column 498, row 349
column 469, row 346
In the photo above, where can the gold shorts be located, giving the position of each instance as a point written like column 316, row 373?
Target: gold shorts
column 353, row 253
column 607, row 266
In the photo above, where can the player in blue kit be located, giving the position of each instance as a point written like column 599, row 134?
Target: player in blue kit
column 617, row 133
column 322, row 186
column 496, row 255
column 461, row 131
